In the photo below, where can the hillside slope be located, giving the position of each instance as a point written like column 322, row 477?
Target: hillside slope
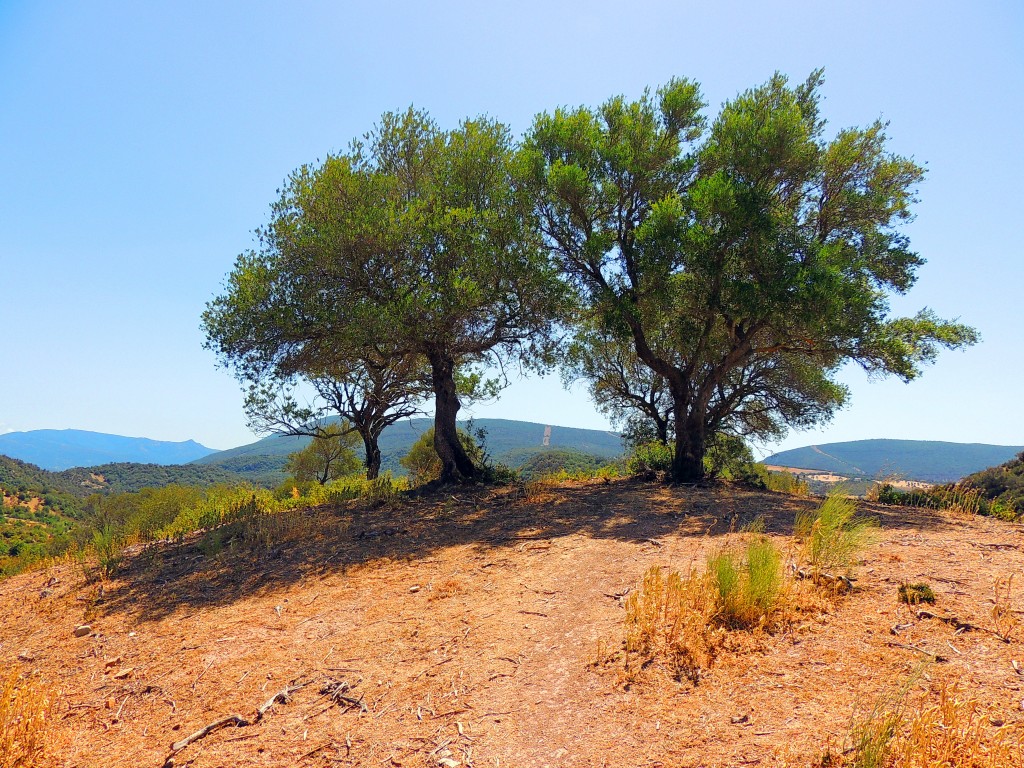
column 462, row 631
column 57, row 449
column 925, row 460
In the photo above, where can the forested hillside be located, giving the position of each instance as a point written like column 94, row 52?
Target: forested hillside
column 1004, row 484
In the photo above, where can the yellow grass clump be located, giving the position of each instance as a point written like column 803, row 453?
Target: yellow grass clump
column 24, row 708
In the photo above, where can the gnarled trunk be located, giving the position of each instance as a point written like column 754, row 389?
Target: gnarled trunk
column 456, row 466
column 372, row 461
column 688, row 461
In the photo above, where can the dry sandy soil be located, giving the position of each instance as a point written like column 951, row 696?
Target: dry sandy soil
column 466, row 628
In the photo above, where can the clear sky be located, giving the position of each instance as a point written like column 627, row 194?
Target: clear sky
column 142, row 142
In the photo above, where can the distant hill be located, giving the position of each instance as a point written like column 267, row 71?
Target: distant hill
column 507, row 441
column 926, row 460
column 57, row 449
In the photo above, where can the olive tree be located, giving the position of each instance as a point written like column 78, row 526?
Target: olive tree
column 758, row 252
column 418, row 243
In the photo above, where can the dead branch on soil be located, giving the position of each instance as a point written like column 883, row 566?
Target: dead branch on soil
column 922, row 651
column 284, row 696
column 335, row 691
column 953, row 621
column 236, row 720
column 839, row 583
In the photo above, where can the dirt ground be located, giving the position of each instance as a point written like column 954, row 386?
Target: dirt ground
column 464, row 630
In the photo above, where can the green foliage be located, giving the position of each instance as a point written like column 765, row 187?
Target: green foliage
column 749, row 582
column 418, row 242
column 832, row 536
column 546, row 462
column 730, row 458
column 783, row 482
column 914, row 594
column 659, row 221
column 423, row 463
column 328, row 456
column 129, row 477
column 650, row 457
column 963, row 497
column 108, row 547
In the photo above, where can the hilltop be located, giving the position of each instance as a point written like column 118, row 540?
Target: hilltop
column 463, row 630
column 925, row 460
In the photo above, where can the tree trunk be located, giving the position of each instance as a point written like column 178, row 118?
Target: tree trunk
column 688, row 461
column 372, row 461
column 661, row 425
column 456, row 466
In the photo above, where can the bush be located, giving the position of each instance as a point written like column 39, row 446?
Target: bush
column 749, row 583
column 786, row 482
column 832, row 537
column 650, row 457
column 679, row 622
column 915, row 594
column 424, row 464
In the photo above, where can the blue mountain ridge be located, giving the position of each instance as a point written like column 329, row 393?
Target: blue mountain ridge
column 59, row 449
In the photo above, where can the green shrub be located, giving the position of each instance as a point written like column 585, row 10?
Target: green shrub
column 786, row 482
column 749, row 582
column 832, row 536
column 915, row 594
column 650, row 457
column 424, row 464
column 108, row 547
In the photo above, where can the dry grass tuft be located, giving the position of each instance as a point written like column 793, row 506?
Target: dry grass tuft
column 1004, row 615
column 832, row 536
column 957, row 732
column 670, row 620
column 24, row 708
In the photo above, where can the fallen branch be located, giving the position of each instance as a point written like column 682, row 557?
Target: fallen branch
column 953, row 621
column 284, row 696
column 922, row 651
column 236, row 720
column 335, row 691
column 842, row 583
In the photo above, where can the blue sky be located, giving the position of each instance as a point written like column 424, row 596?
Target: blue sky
column 141, row 143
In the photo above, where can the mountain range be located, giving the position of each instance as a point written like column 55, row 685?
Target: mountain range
column 926, row 460
column 125, row 462
column 57, row 449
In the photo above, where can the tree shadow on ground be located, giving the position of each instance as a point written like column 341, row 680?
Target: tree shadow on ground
column 251, row 558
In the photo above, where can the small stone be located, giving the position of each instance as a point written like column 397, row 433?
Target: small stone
column 415, row 588
column 45, row 594
column 83, row 630
column 26, row 656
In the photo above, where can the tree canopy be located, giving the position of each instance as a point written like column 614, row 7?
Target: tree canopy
column 418, row 244
column 717, row 273
column 745, row 261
